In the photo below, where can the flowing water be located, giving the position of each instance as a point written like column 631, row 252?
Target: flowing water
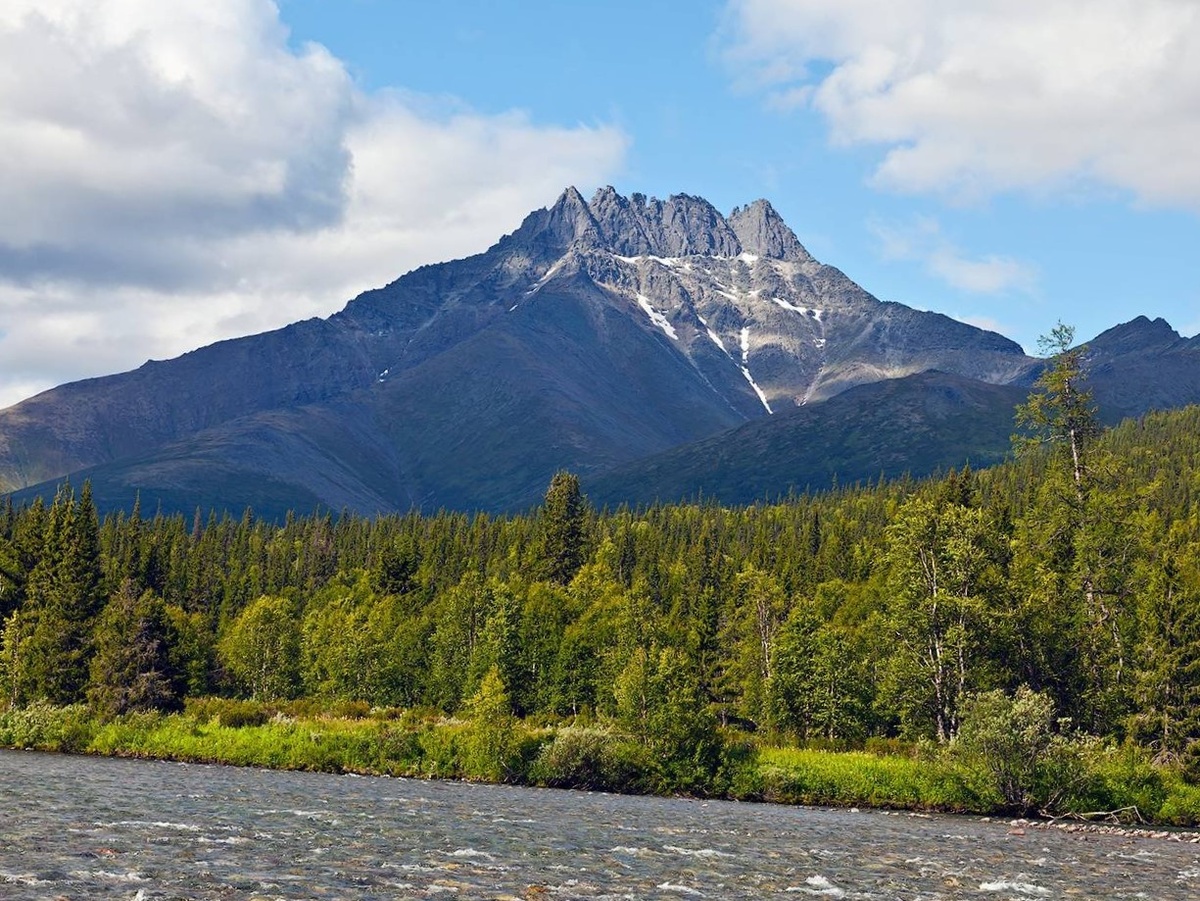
column 83, row 828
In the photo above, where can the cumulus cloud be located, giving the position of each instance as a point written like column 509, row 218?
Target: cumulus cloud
column 971, row 97
column 921, row 240
column 177, row 173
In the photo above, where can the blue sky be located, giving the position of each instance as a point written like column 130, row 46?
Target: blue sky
column 183, row 174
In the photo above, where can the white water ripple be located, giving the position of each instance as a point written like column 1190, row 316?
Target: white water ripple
column 1021, row 888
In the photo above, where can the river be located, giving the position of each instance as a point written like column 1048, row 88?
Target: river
column 82, row 828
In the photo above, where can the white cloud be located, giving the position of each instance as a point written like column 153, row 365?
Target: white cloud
column 970, row 97
column 175, row 173
column 921, row 240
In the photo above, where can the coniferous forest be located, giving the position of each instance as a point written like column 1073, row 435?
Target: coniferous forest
column 1031, row 632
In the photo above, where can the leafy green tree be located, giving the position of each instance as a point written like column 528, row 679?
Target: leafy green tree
column 490, row 734
column 193, row 650
column 1060, row 412
column 459, row 615
column 1034, row 768
column 399, row 657
column 759, row 607
column 940, row 560
column 53, row 635
column 261, row 649
column 499, row 647
column 13, row 680
column 337, row 647
column 11, row 578
column 818, row 686
column 1073, row 551
column 546, row 612
column 398, row 565
column 1167, row 656
column 658, row 701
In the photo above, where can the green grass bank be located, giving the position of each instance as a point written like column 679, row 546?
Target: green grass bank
column 596, row 756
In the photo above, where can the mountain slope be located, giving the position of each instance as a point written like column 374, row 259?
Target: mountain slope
column 1142, row 365
column 914, row 425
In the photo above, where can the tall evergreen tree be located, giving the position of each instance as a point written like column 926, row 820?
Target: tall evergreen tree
column 564, row 516
column 63, row 597
column 132, row 668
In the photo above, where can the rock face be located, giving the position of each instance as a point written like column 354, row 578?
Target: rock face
column 598, row 333
column 762, row 232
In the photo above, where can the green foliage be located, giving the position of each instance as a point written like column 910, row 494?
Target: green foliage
column 232, row 713
column 594, row 759
column 564, row 516
column 658, row 703
column 798, row 776
column 261, row 649
column 133, row 667
column 47, row 648
column 1060, row 411
column 819, row 686
column 488, row 741
column 941, row 568
column 43, row 727
column 1034, row 768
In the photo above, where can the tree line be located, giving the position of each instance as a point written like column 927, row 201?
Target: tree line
column 1072, row 571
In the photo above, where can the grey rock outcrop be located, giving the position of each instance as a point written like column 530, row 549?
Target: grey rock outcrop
column 761, row 230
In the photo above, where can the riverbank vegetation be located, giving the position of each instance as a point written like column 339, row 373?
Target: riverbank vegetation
column 1025, row 638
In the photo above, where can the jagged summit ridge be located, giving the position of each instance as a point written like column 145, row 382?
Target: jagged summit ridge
column 680, row 226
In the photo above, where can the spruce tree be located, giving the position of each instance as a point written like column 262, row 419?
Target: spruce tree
column 564, row 517
column 53, row 638
column 132, row 668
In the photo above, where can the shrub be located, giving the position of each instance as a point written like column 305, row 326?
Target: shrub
column 44, row 727
column 738, row 774
column 1012, row 742
column 593, row 759
column 350, row 710
column 1190, row 764
column 229, row 712
column 397, row 750
column 440, row 746
column 488, row 741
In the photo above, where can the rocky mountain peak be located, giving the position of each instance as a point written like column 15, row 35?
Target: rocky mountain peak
column 681, row 225
column 551, row 231
column 761, row 230
column 1136, row 336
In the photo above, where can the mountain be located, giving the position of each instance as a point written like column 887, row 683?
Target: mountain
column 1142, row 365
column 914, row 425
column 597, row 334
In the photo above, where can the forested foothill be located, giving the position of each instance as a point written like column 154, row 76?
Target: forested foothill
column 1023, row 638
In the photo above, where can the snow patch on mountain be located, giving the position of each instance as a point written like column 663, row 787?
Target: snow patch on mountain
column 803, row 311
column 716, row 339
column 757, row 390
column 545, row 278
column 657, row 318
